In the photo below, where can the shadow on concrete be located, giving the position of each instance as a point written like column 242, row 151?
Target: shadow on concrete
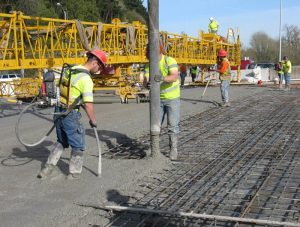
column 8, row 109
column 40, row 153
column 119, row 145
column 196, row 101
column 114, row 196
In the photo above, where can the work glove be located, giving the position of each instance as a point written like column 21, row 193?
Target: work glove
column 93, row 124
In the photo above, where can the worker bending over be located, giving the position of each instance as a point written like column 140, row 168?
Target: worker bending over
column 76, row 90
column 169, row 97
column 223, row 68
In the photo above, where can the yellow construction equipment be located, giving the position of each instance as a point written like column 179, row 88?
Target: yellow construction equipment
column 43, row 43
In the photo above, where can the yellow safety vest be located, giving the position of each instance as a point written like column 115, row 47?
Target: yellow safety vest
column 213, row 26
column 167, row 90
column 79, row 87
column 287, row 67
column 227, row 74
column 194, row 70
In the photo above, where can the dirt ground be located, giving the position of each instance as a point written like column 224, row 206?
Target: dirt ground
column 26, row 200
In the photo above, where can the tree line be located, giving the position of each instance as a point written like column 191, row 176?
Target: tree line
column 266, row 49
column 84, row 10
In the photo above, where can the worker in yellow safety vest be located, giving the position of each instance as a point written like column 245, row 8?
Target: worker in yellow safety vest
column 287, row 71
column 279, row 69
column 169, row 97
column 223, row 68
column 76, row 90
column 193, row 72
column 213, row 25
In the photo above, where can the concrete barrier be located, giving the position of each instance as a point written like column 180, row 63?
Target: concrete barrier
column 266, row 75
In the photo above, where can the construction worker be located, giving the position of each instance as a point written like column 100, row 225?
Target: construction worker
column 193, row 72
column 213, row 26
column 287, row 71
column 76, row 90
column 278, row 68
column 182, row 70
column 223, row 68
column 169, row 97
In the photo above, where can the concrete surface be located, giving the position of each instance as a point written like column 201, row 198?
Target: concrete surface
column 26, row 200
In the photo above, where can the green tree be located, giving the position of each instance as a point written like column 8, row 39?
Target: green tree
column 136, row 10
column 81, row 9
column 40, row 8
column 110, row 9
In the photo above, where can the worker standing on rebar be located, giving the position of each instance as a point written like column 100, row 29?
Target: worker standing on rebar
column 287, row 71
column 76, row 90
column 213, row 26
column 223, row 68
column 278, row 68
column 169, row 97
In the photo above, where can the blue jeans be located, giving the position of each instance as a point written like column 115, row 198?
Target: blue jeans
column 182, row 78
column 287, row 78
column 224, row 87
column 280, row 75
column 171, row 108
column 69, row 131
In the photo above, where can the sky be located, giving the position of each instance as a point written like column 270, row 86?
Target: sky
column 245, row 17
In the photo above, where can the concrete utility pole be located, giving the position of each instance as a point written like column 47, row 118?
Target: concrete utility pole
column 153, row 36
column 280, row 20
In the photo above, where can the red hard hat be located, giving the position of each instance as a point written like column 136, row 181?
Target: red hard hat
column 222, row 53
column 100, row 54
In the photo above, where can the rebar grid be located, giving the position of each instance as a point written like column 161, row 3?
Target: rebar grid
column 240, row 162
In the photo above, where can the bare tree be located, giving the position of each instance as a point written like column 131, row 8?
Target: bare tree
column 291, row 43
column 264, row 47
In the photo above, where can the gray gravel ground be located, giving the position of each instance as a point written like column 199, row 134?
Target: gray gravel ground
column 28, row 201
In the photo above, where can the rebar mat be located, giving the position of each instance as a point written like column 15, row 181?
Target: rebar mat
column 241, row 161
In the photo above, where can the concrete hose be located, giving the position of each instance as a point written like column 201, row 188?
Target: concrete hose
column 32, row 105
column 98, row 37
column 164, row 41
column 82, row 35
column 18, row 131
column 130, row 39
column 99, row 152
column 82, row 32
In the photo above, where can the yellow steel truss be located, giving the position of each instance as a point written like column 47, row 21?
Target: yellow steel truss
column 41, row 43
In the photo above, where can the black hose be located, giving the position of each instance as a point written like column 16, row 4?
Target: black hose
column 18, row 123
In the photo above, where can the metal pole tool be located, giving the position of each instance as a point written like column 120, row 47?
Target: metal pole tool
column 99, row 152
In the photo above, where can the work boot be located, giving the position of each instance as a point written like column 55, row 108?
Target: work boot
column 287, row 87
column 173, row 141
column 55, row 154
column 155, row 152
column 75, row 166
column 227, row 104
column 52, row 160
column 46, row 171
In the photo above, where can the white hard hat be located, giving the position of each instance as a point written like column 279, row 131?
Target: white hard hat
column 211, row 18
